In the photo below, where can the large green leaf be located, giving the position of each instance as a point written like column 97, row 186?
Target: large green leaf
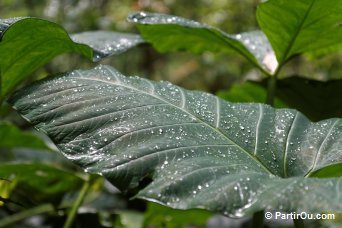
column 301, row 26
column 172, row 33
column 29, row 43
column 198, row 150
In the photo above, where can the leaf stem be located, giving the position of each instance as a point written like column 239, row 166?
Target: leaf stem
column 299, row 223
column 45, row 208
column 73, row 211
column 258, row 219
column 271, row 89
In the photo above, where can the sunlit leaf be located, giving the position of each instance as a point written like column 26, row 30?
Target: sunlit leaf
column 172, row 33
column 197, row 150
column 29, row 43
column 301, row 26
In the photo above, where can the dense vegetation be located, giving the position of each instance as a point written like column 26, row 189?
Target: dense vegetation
column 162, row 143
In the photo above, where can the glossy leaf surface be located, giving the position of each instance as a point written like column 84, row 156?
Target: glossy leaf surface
column 29, row 43
column 172, row 33
column 301, row 26
column 105, row 43
column 198, row 150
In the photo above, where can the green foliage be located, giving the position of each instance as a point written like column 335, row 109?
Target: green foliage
column 45, row 181
column 318, row 100
column 157, row 141
column 301, row 26
column 248, row 92
column 188, row 143
column 161, row 216
column 171, row 33
column 37, row 41
column 12, row 137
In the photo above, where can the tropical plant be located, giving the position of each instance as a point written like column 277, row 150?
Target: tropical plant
column 182, row 149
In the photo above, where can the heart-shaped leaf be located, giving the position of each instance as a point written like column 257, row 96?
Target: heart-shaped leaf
column 301, row 26
column 29, row 43
column 198, row 150
column 172, row 33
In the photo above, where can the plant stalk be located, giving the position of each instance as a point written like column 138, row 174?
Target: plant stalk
column 13, row 219
column 258, row 219
column 271, row 89
column 78, row 202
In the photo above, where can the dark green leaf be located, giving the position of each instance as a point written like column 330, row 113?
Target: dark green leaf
column 301, row 26
column 29, row 43
column 12, row 137
column 172, row 33
column 316, row 99
column 198, row 150
column 248, row 92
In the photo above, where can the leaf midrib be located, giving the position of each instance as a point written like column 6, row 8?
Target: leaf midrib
column 297, row 32
column 183, row 110
column 313, row 166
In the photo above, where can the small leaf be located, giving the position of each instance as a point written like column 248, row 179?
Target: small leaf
column 198, row 150
column 301, row 26
column 172, row 33
column 29, row 43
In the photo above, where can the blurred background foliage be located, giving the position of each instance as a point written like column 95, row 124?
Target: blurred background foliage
column 221, row 74
column 208, row 72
